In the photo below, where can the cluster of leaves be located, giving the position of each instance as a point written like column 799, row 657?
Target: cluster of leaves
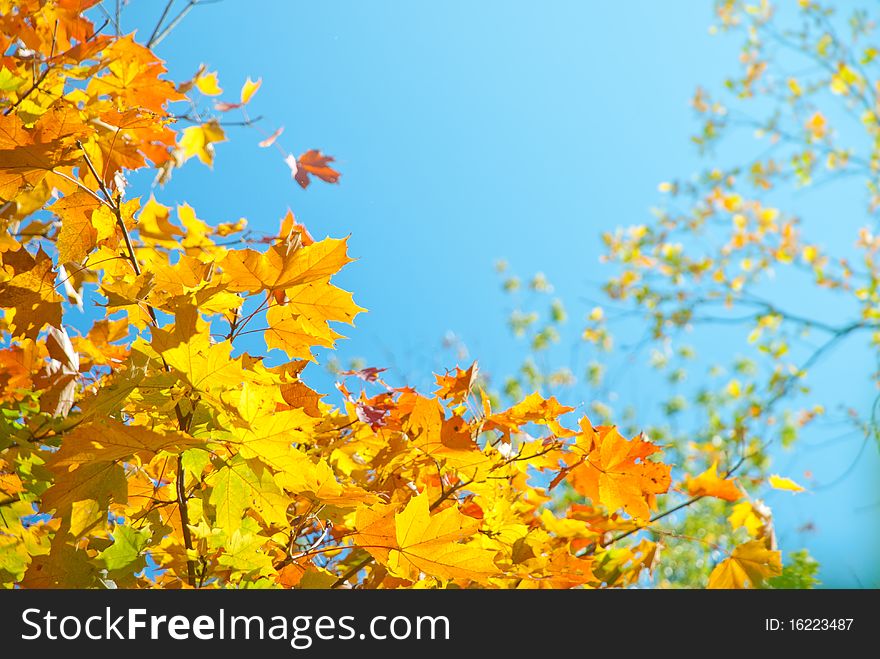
column 709, row 264
column 141, row 447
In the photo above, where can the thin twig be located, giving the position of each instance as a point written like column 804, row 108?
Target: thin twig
column 159, row 24
column 156, row 40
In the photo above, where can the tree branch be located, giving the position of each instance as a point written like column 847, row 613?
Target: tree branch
column 183, row 419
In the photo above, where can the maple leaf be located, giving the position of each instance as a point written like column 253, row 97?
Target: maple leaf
column 79, row 234
column 748, row 566
column 64, row 566
column 560, row 570
column 709, row 484
column 372, row 416
column 615, row 473
column 532, row 409
column 28, row 156
column 208, row 84
column 98, row 481
column 111, row 440
column 316, row 481
column 128, row 545
column 30, row 291
column 281, row 268
column 456, row 387
column 413, row 541
column 315, row 163
column 236, row 487
column 201, row 363
column 298, row 395
column 294, row 334
column 132, row 77
column 754, row 517
column 200, row 140
column 449, row 441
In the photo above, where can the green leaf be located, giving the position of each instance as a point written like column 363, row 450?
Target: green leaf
column 128, row 543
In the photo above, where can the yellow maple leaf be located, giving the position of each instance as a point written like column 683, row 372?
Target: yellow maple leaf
column 316, row 481
column 208, row 84
column 534, row 408
column 296, row 335
column 418, row 542
column 753, row 517
column 282, row 267
column 199, row 141
column 109, row 439
column 748, row 566
column 77, row 236
column 204, row 365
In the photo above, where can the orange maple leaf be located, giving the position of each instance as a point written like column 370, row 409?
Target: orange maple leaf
column 709, row 484
column 456, row 387
column 317, row 164
column 615, row 472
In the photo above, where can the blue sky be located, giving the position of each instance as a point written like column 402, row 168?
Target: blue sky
column 472, row 131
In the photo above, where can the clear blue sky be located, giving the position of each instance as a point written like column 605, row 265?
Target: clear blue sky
column 470, row 131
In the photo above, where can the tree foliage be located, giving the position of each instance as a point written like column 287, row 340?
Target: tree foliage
column 719, row 262
column 142, row 447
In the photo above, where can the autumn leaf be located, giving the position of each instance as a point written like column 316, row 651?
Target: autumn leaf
column 709, row 484
column 208, row 84
column 110, row 440
column 98, row 481
column 532, row 409
column 778, row 482
column 313, row 163
column 236, row 488
column 281, row 268
column 30, row 291
column 200, row 140
column 249, row 89
column 456, row 387
column 754, row 517
column 270, row 140
column 132, row 77
column 614, row 471
column 420, row 542
column 128, row 544
column 28, row 156
column 748, row 566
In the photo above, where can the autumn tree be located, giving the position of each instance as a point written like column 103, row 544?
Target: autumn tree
column 720, row 259
column 141, row 446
